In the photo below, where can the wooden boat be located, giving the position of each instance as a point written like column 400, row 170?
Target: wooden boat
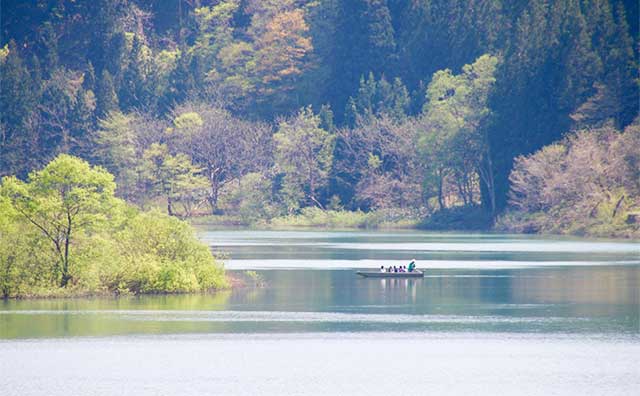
column 378, row 274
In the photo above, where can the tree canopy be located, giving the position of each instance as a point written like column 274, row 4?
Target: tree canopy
column 420, row 104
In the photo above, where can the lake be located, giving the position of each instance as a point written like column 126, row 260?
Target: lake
column 494, row 314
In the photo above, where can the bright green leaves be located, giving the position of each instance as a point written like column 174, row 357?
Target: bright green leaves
column 188, row 121
column 161, row 254
column 63, row 229
column 174, row 177
column 304, row 153
column 453, row 142
column 66, row 198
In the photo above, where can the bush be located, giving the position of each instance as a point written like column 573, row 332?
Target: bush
column 587, row 184
column 113, row 248
column 160, row 254
column 316, row 217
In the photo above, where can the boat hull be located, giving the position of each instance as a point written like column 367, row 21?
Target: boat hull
column 371, row 274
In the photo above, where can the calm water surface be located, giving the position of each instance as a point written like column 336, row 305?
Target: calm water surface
column 494, row 315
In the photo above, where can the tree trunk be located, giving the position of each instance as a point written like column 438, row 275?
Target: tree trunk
column 169, row 206
column 440, row 197
column 65, row 261
column 213, row 200
column 486, row 176
column 615, row 211
column 213, row 195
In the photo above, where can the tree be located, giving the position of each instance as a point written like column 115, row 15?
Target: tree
column 59, row 110
column 377, row 98
column 65, row 199
column 174, row 178
column 9, row 255
column 304, row 153
column 586, row 183
column 119, row 145
column 281, row 52
column 106, row 98
column 226, row 148
column 454, row 141
column 17, row 100
column 215, row 29
column 115, row 149
column 135, row 90
column 377, row 158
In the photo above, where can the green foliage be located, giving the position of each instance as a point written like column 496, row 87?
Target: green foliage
column 160, row 254
column 115, row 141
column 316, row 217
column 453, row 142
column 304, row 153
column 106, row 98
column 251, row 198
column 66, row 198
column 174, row 177
column 377, row 98
column 416, row 124
column 64, row 232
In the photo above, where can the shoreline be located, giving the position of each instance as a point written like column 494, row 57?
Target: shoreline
column 226, row 225
column 235, row 282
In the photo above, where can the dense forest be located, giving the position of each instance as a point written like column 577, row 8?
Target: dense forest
column 262, row 108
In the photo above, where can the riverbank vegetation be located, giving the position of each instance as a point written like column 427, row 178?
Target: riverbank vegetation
column 63, row 232
column 586, row 184
column 333, row 113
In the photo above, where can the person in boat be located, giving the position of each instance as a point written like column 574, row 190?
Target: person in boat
column 412, row 265
column 382, row 268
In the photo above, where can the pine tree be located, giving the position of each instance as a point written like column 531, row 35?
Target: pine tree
column 133, row 90
column 17, row 100
column 89, row 81
column 622, row 74
column 180, row 82
column 106, row 98
column 82, row 124
column 49, row 41
column 380, row 35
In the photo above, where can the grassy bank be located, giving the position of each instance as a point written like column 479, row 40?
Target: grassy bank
column 460, row 218
column 625, row 225
column 313, row 217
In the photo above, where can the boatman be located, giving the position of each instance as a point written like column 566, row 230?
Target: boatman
column 412, row 265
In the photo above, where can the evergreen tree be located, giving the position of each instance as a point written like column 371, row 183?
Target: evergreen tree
column 49, row 42
column 380, row 35
column 106, row 98
column 89, row 80
column 82, row 125
column 133, row 90
column 180, row 82
column 377, row 98
column 17, row 101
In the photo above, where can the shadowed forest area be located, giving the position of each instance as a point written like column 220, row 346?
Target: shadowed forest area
column 464, row 114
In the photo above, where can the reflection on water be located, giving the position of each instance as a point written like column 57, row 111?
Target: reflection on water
column 479, row 283
column 574, row 300
column 493, row 315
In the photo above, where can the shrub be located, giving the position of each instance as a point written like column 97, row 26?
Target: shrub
column 113, row 246
column 585, row 185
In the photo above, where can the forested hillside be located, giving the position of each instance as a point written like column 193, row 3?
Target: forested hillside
column 264, row 107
